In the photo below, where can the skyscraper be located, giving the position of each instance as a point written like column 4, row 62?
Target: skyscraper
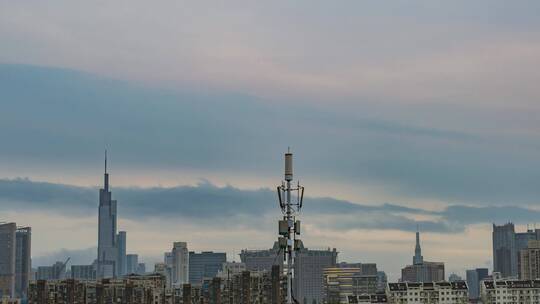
column 7, row 259
column 180, row 271
column 504, row 250
column 418, row 258
column 23, row 261
column 107, row 249
column 132, row 263
column 474, row 276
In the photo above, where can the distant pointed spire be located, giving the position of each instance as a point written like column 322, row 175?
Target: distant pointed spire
column 418, row 259
column 106, row 175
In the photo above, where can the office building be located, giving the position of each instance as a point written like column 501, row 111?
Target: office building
column 8, row 252
column 132, row 263
column 205, row 265
column 121, row 263
column 420, row 270
column 107, row 247
column 382, row 280
column 510, row 291
column 309, row 266
column 180, row 255
column 504, row 250
column 428, row 292
column 474, row 276
column 83, row 272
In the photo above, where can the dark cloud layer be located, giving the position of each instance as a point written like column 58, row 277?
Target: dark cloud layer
column 213, row 206
column 55, row 116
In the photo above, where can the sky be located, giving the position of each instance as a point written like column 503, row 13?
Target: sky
column 399, row 114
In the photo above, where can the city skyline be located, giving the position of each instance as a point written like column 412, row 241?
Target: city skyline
column 400, row 114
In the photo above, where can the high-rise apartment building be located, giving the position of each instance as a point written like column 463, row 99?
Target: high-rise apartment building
column 205, row 265
column 529, row 261
column 420, row 270
column 474, row 276
column 23, row 261
column 8, row 251
column 180, row 255
column 107, row 247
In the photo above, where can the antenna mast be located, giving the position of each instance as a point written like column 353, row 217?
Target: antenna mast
column 289, row 227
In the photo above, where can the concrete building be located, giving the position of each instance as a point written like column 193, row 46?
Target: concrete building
column 83, row 272
column 229, row 269
column 8, row 252
column 420, row 270
column 504, row 250
column 121, row 263
column 107, row 247
column 166, row 271
column 132, row 263
column 141, row 268
column 205, row 265
column 428, row 292
column 529, row 261
column 23, row 261
column 510, row 291
column 180, row 268
column 382, row 280
column 132, row 289
column 474, row 276
column 309, row 263
column 342, row 283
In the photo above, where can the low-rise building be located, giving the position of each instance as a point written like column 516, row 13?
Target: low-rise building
column 428, row 292
column 510, row 291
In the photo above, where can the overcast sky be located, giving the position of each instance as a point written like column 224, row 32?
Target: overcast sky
column 401, row 113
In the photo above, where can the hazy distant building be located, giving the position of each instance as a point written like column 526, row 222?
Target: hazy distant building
column 309, row 266
column 107, row 248
column 55, row 272
column 166, row 271
column 83, row 272
column 180, row 256
column 420, row 270
column 23, row 261
column 382, row 280
column 454, row 278
column 141, row 268
column 7, row 259
column 121, row 264
column 229, row 269
column 474, row 276
column 132, row 263
column 205, row 265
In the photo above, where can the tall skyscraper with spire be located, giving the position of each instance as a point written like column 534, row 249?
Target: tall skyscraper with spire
column 418, row 258
column 107, row 247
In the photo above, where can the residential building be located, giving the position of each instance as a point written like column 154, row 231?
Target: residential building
column 428, row 292
column 205, row 265
column 474, row 276
column 510, row 291
column 166, row 271
column 180, row 268
column 8, row 254
column 343, row 282
column 529, row 261
column 229, row 269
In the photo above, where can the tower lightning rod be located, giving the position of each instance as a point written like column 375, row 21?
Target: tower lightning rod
column 289, row 227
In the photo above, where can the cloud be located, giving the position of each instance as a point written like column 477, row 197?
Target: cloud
column 213, row 207
column 74, row 114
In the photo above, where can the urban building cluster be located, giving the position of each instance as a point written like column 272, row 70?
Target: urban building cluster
column 261, row 276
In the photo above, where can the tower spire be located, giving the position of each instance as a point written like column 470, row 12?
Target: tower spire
column 418, row 259
column 106, row 175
